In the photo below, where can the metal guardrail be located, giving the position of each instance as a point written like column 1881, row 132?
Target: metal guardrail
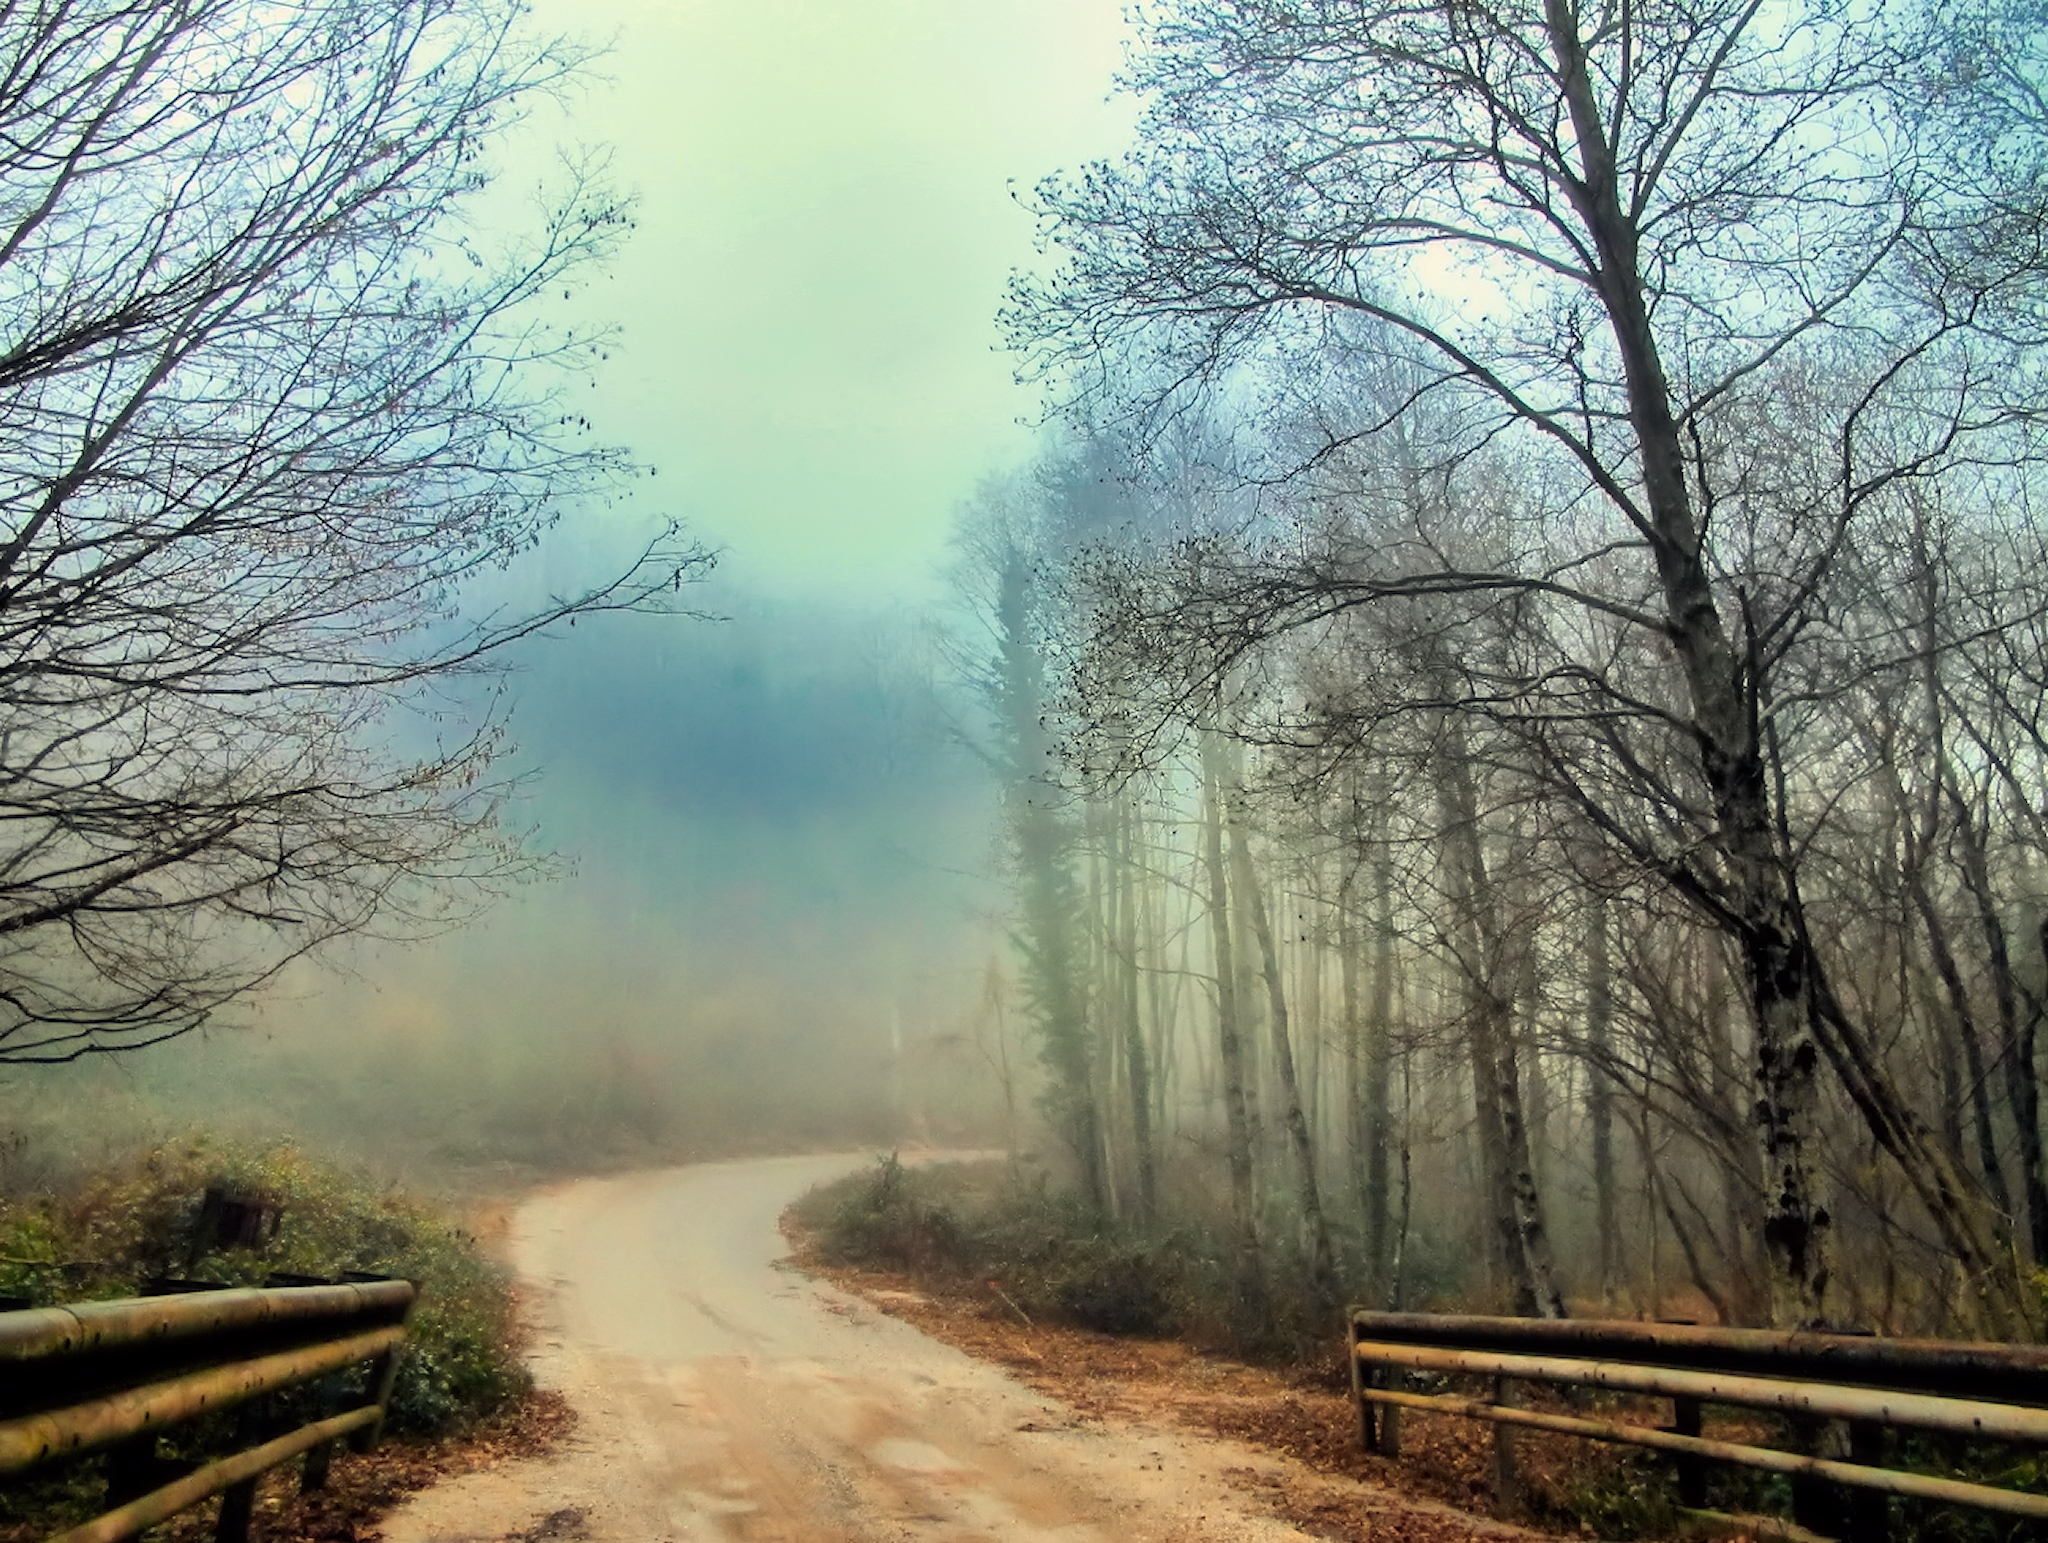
column 111, row 1377
column 1851, row 1385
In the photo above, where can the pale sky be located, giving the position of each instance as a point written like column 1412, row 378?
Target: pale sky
column 826, row 222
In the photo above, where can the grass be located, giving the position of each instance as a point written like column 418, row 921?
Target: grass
column 106, row 1234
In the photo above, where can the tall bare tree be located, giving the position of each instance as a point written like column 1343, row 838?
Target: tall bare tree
column 268, row 408
column 1718, row 280
column 1003, row 542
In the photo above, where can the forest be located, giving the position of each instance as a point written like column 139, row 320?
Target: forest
column 1517, row 691
column 1486, row 754
column 1512, row 687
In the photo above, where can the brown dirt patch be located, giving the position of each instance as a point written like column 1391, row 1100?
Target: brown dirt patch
column 360, row 1488
column 1305, row 1413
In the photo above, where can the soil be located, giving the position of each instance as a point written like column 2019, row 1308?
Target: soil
column 723, row 1395
column 1303, row 1413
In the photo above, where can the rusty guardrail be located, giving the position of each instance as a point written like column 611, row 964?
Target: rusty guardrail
column 1852, row 1385
column 111, row 1377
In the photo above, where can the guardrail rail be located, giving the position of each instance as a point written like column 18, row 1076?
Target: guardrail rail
column 1845, row 1392
column 112, row 1377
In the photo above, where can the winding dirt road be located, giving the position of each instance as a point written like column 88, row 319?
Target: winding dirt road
column 723, row 1397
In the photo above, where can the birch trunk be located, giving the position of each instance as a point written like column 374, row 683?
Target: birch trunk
column 1322, row 1258
column 1250, row 1287
column 1517, row 1199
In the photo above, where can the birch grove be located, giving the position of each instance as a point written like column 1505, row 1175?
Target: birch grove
column 1569, row 475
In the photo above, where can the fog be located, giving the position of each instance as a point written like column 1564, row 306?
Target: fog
column 769, row 928
column 1316, row 766
column 772, row 918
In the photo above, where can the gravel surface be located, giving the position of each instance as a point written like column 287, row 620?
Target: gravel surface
column 722, row 1395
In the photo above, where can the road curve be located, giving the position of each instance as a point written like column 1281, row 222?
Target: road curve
column 723, row 1396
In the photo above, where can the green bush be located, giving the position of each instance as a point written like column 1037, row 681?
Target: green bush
column 107, row 1235
column 1040, row 1247
column 889, row 1218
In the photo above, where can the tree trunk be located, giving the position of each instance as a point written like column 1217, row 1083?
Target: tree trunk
column 1139, row 1071
column 1958, row 1026
column 1796, row 1017
column 1105, row 1043
column 1250, row 1285
column 1322, row 1258
column 1309, row 929
column 2015, row 1038
column 1046, row 881
column 1351, row 1026
column 1497, row 1085
column 1379, row 1057
column 1600, row 1093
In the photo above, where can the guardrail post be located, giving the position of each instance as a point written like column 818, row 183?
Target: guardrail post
column 1366, row 1434
column 1390, row 1420
column 1692, row 1468
column 1507, row 1474
column 318, row 1460
column 1818, row 1505
column 383, row 1373
column 253, row 1425
column 1870, row 1511
column 333, row 1398
column 237, row 1507
column 132, row 1469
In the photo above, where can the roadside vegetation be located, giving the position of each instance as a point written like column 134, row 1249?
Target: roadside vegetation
column 1031, row 1248
column 111, row 1232
column 997, row 1258
column 462, row 1392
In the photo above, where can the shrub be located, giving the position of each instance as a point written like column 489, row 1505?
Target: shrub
column 886, row 1217
column 116, row 1229
column 1039, row 1246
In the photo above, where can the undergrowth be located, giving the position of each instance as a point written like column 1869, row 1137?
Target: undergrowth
column 108, row 1234
column 1048, row 1257
column 1039, row 1251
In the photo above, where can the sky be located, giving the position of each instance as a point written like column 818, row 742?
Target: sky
column 826, row 205
column 782, row 856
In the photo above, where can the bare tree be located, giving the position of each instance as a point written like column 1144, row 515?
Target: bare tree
column 1716, row 281
column 267, row 409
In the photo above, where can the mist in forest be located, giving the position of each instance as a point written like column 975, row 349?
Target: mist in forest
column 767, row 928
column 766, row 918
column 1452, row 743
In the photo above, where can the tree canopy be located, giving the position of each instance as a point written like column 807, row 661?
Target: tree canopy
column 269, row 406
column 1618, row 370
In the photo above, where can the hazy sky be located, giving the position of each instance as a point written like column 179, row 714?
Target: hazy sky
column 826, row 221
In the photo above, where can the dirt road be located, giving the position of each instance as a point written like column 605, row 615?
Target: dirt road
column 722, row 1397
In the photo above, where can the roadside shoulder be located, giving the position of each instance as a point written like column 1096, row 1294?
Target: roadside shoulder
column 1319, row 1480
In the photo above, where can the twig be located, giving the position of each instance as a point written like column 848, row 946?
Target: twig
column 1022, row 1316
